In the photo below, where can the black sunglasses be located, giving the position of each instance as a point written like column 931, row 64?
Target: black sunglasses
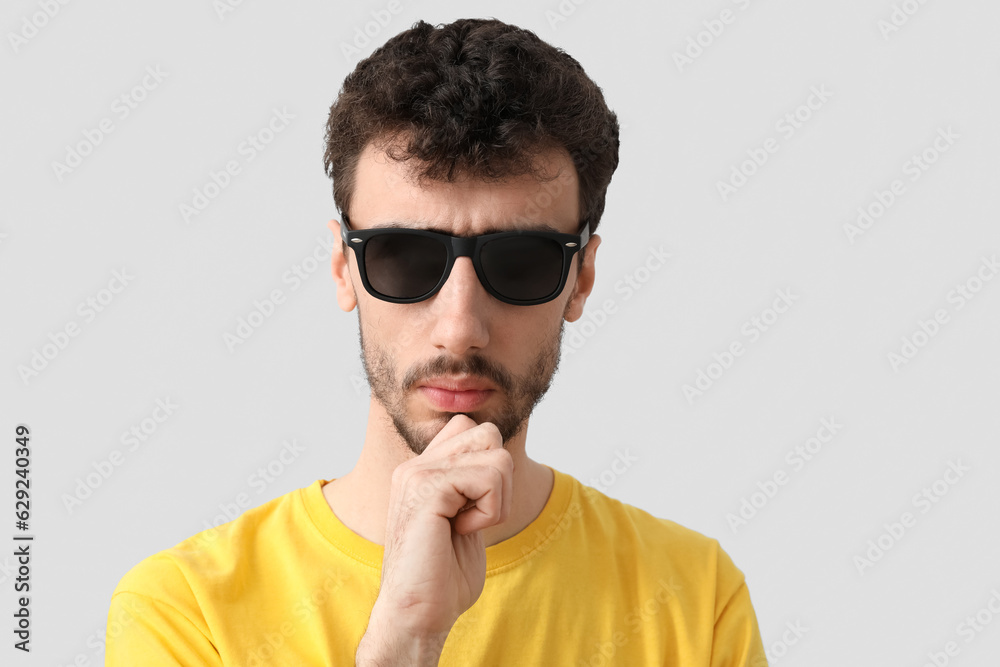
column 524, row 268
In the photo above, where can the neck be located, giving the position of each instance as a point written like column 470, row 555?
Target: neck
column 360, row 499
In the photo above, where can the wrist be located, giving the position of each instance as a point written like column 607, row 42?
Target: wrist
column 386, row 642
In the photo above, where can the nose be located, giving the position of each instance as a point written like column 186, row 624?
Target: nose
column 460, row 311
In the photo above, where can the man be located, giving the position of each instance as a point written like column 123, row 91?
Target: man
column 470, row 164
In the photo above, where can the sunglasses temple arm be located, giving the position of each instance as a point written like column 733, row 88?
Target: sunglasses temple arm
column 584, row 234
column 344, row 227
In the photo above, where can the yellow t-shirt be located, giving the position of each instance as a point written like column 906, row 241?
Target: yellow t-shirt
column 590, row 582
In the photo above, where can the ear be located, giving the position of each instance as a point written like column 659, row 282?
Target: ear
column 584, row 282
column 340, row 265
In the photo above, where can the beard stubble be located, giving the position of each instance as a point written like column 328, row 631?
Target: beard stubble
column 520, row 393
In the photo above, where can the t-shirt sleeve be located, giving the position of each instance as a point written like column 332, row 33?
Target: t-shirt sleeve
column 155, row 619
column 736, row 641
column 149, row 632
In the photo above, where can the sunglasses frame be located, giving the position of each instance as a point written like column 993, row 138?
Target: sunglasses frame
column 464, row 246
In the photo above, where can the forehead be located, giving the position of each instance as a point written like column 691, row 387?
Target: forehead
column 387, row 193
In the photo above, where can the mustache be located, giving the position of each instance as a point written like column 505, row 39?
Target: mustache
column 475, row 366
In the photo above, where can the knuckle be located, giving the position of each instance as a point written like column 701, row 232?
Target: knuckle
column 492, row 430
column 496, row 476
column 428, row 482
column 502, row 458
column 399, row 475
column 454, row 459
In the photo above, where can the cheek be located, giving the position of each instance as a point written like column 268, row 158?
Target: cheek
column 524, row 337
column 398, row 334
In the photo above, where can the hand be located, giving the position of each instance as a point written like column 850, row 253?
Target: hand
column 434, row 561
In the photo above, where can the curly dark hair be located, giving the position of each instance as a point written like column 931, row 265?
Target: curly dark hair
column 476, row 97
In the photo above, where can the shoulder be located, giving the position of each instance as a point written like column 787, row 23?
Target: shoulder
column 653, row 541
column 627, row 521
column 175, row 574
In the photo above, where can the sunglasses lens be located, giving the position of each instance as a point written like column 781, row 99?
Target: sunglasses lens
column 523, row 268
column 404, row 266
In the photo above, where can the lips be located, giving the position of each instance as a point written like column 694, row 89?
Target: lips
column 465, row 384
column 456, row 395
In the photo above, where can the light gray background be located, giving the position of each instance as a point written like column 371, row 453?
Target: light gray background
column 619, row 389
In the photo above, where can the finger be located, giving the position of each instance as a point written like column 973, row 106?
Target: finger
column 505, row 466
column 460, row 482
column 508, row 490
column 501, row 460
column 455, row 425
column 485, row 485
column 477, row 437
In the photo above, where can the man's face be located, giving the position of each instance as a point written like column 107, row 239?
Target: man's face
column 462, row 332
